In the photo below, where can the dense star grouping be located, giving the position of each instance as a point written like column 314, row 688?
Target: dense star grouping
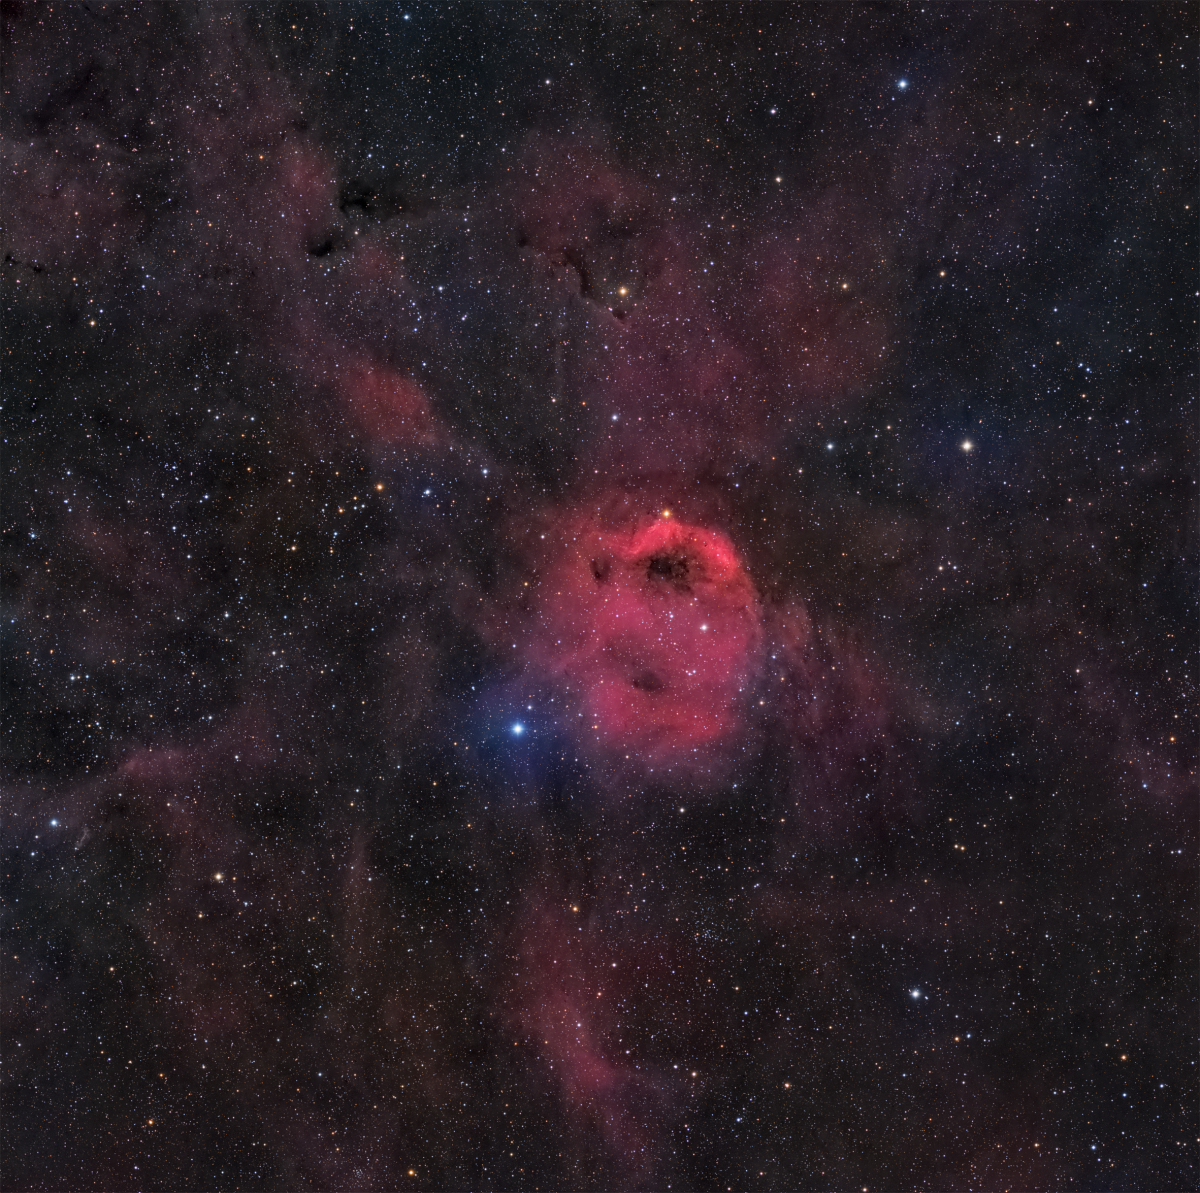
column 599, row 597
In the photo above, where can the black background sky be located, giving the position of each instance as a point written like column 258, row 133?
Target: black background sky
column 314, row 315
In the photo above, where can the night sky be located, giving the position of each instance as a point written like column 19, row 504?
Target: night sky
column 599, row 596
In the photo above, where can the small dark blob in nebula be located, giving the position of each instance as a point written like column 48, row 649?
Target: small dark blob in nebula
column 647, row 681
column 672, row 568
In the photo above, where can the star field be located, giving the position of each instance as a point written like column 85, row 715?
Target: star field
column 599, row 596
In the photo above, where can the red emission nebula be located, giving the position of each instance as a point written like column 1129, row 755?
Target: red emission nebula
column 653, row 628
column 646, row 619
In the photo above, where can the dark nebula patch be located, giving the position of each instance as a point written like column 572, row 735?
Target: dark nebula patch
column 647, row 681
column 671, row 568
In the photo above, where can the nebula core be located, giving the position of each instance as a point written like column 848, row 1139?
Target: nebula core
column 653, row 630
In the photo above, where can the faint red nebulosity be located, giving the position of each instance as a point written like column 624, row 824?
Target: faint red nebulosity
column 391, row 408
column 140, row 563
column 838, row 723
column 131, row 577
column 1017, row 1151
column 62, row 216
column 260, row 191
column 568, row 187
column 1162, row 771
column 831, row 691
column 817, row 315
column 695, row 360
column 276, row 213
column 661, row 358
column 67, row 206
column 652, row 627
column 565, row 1003
column 246, row 743
column 815, row 338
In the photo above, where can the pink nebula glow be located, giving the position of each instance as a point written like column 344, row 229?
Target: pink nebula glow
column 390, row 408
column 652, row 625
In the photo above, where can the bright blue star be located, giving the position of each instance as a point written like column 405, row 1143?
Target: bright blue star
column 517, row 729
column 902, row 84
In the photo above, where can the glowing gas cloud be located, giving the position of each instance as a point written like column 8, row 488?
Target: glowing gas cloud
column 651, row 627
